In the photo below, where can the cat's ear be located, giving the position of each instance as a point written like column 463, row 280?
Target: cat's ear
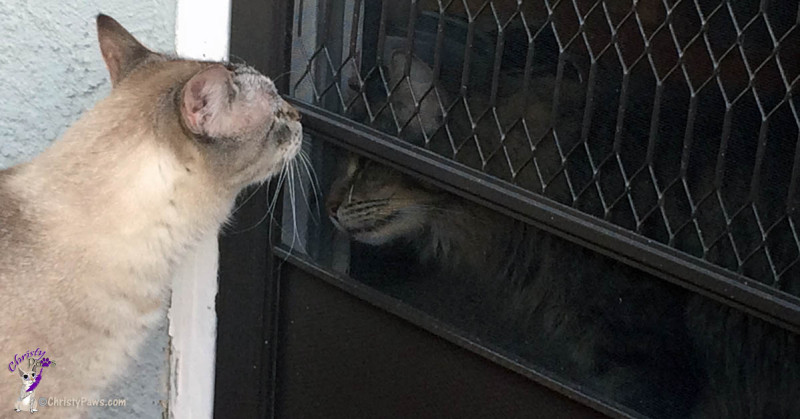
column 204, row 98
column 420, row 72
column 121, row 51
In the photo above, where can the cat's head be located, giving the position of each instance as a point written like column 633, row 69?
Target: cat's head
column 417, row 103
column 27, row 377
column 29, row 374
column 375, row 204
column 407, row 103
column 225, row 120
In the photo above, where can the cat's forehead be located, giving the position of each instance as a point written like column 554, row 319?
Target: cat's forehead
column 248, row 75
column 166, row 68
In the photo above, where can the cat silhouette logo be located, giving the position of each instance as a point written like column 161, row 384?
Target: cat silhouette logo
column 31, row 377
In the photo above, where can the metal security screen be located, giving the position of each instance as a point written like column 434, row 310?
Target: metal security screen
column 598, row 196
column 674, row 120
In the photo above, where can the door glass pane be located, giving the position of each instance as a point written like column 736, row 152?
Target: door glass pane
column 615, row 332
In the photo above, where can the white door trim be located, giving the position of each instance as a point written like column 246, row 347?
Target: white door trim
column 202, row 31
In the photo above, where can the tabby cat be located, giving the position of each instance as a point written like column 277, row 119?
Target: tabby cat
column 629, row 336
column 91, row 229
column 564, row 307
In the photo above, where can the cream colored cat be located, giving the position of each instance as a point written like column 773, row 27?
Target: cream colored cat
column 92, row 228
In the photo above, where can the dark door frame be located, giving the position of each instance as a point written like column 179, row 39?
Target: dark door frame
column 247, row 301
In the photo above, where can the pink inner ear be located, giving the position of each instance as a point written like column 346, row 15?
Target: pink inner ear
column 203, row 98
column 197, row 96
column 193, row 104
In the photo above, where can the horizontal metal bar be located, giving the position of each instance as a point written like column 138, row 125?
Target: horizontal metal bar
column 655, row 258
column 450, row 334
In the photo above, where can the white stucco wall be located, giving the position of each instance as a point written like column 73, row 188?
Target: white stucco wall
column 50, row 72
column 50, row 66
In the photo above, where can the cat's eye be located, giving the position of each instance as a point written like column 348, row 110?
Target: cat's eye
column 25, row 376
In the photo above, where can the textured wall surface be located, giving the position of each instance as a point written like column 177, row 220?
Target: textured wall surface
column 51, row 71
column 50, row 65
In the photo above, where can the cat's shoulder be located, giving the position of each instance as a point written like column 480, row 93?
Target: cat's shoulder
column 16, row 225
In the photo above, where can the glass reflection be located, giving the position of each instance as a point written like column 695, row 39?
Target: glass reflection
column 540, row 298
column 617, row 332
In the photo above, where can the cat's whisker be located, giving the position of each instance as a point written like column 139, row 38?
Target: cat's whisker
column 414, row 205
column 350, row 194
column 249, row 197
column 414, row 208
column 270, row 208
column 286, row 178
column 312, row 172
column 304, row 193
column 287, row 190
column 280, row 76
column 315, row 189
column 272, row 205
column 278, row 187
column 295, row 231
column 297, row 181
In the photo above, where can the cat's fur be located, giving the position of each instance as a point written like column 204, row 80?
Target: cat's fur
column 750, row 368
column 92, row 228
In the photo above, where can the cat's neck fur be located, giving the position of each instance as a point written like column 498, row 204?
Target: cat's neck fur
column 464, row 239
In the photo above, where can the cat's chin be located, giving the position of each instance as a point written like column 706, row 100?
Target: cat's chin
column 395, row 227
column 368, row 237
column 384, row 236
column 374, row 238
